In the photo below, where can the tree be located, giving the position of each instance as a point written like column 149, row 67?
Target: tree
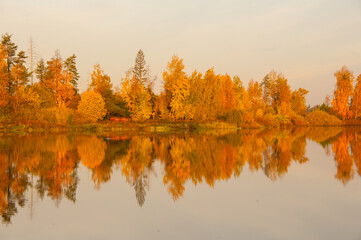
column 343, row 92
column 227, row 93
column 268, row 85
column 282, row 97
column 40, row 71
column 4, row 94
column 139, row 70
column 70, row 66
column 57, row 80
column 100, row 82
column 19, row 73
column 177, row 89
column 137, row 98
column 298, row 101
column 255, row 97
column 242, row 100
column 92, row 106
column 10, row 53
column 356, row 98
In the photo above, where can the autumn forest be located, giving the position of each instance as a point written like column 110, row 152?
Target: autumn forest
column 50, row 96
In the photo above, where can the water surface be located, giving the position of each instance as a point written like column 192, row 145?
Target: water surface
column 301, row 183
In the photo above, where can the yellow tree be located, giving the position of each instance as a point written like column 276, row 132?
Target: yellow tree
column 195, row 95
column 58, row 81
column 212, row 106
column 243, row 103
column 268, row 85
column 137, row 97
column 100, row 82
column 92, row 106
column 283, row 96
column 255, row 97
column 298, row 101
column 356, row 98
column 343, row 92
column 177, row 89
column 227, row 93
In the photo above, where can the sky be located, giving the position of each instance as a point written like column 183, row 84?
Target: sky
column 306, row 40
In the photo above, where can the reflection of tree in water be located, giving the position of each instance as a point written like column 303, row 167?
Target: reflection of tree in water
column 51, row 159
column 136, row 164
column 196, row 158
column 139, row 187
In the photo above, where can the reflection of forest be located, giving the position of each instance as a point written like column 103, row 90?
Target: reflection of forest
column 49, row 164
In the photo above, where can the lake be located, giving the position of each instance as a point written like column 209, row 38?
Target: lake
column 301, row 183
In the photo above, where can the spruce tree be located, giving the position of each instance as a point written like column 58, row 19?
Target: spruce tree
column 139, row 70
column 70, row 65
column 10, row 49
column 40, row 71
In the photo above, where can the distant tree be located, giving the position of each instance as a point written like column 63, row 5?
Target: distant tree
column 327, row 100
column 343, row 92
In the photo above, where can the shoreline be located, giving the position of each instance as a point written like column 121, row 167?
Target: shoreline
column 152, row 126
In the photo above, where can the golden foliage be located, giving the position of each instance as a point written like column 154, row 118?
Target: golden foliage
column 177, row 89
column 321, row 118
column 91, row 151
column 100, row 82
column 4, row 95
column 356, row 99
column 92, row 106
column 343, row 91
column 137, row 97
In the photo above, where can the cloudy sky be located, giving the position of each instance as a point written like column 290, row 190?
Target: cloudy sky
column 306, row 40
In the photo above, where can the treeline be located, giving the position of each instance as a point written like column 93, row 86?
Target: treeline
column 55, row 98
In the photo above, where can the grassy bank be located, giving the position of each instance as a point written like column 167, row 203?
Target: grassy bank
column 110, row 127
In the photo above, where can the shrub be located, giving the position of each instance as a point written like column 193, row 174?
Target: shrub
column 248, row 121
column 298, row 120
column 268, row 120
column 321, row 118
column 284, row 120
column 233, row 116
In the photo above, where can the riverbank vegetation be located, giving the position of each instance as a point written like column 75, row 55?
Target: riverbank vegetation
column 55, row 100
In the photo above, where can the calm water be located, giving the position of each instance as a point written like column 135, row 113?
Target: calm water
column 290, row 184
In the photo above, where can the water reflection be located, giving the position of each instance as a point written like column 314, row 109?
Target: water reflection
column 49, row 165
